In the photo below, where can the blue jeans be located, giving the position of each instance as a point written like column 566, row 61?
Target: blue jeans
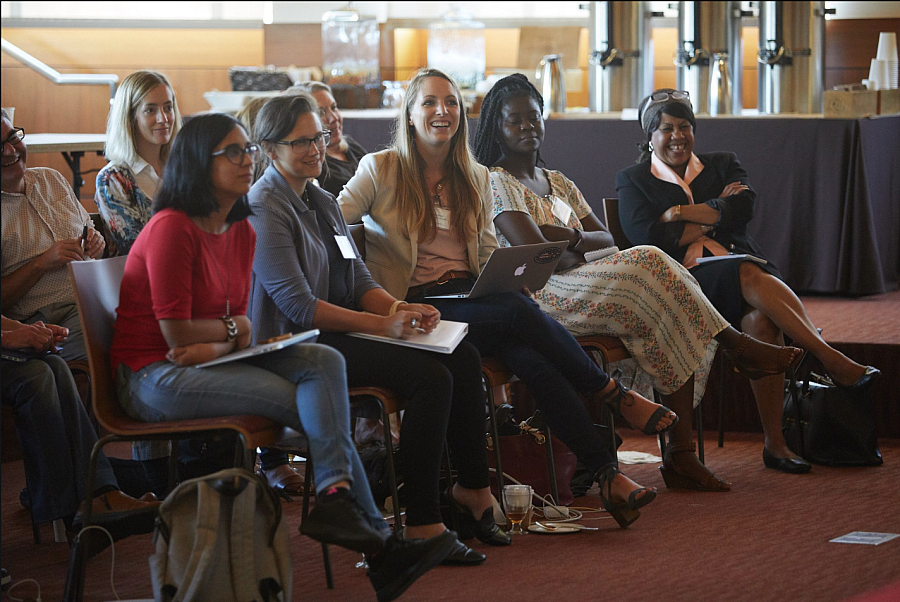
column 55, row 434
column 303, row 387
column 546, row 357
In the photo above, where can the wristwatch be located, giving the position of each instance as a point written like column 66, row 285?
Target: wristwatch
column 230, row 329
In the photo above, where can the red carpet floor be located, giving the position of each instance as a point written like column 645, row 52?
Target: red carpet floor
column 767, row 540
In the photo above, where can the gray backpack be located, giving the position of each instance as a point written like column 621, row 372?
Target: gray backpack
column 222, row 537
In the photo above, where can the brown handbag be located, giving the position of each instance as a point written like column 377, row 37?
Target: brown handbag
column 525, row 459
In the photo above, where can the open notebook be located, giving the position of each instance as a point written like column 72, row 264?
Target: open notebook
column 443, row 339
column 262, row 348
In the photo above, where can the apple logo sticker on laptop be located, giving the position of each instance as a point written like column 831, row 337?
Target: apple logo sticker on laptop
column 521, row 269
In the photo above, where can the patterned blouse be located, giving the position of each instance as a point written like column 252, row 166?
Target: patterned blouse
column 512, row 195
column 124, row 207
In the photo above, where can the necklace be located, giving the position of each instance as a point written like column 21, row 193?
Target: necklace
column 226, row 286
column 438, row 189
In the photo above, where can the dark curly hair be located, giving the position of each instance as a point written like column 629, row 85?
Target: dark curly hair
column 487, row 133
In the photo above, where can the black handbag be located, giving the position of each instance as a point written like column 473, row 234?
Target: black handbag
column 826, row 424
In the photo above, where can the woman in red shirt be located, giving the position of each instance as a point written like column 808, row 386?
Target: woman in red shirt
column 183, row 301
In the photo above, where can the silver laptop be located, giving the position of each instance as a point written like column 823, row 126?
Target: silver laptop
column 510, row 269
column 261, row 348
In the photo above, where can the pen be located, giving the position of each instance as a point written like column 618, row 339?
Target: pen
column 84, row 234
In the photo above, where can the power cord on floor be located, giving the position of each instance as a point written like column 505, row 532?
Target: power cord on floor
column 112, row 562
column 26, row 598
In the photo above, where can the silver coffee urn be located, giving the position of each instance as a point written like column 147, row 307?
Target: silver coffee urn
column 708, row 59
column 791, row 57
column 621, row 63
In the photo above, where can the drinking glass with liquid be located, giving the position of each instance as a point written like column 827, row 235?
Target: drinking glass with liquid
column 517, row 501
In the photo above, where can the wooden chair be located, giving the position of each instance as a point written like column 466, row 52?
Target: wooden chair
column 96, row 285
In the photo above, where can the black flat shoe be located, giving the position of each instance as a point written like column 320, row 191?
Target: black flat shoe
column 484, row 528
column 462, row 555
column 789, row 465
column 863, row 382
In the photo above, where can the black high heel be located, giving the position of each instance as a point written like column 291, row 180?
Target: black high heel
column 484, row 528
column 625, row 512
column 863, row 382
column 619, row 393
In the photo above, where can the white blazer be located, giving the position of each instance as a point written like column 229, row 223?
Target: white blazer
column 390, row 254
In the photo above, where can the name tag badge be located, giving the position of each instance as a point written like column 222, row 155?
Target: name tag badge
column 561, row 210
column 345, row 246
column 442, row 217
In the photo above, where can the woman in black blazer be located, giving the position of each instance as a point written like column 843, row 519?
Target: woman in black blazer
column 696, row 206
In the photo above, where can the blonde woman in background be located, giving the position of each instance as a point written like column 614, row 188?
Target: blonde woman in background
column 142, row 122
column 247, row 116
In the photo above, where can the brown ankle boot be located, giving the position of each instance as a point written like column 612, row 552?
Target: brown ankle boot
column 682, row 453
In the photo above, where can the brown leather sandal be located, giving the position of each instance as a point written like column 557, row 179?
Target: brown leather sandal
column 676, row 480
column 788, row 357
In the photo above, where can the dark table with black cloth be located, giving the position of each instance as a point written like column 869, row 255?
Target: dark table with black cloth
column 828, row 213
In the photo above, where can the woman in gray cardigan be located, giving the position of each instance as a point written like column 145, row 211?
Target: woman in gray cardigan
column 307, row 274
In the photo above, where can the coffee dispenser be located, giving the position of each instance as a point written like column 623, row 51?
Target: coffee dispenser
column 621, row 61
column 708, row 57
column 791, row 57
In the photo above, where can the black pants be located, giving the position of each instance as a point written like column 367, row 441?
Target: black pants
column 444, row 401
column 545, row 357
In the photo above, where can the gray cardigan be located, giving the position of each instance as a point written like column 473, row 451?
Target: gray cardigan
column 290, row 267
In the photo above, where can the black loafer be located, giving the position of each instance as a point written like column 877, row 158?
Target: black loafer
column 863, row 382
column 462, row 555
column 340, row 520
column 789, row 465
column 402, row 561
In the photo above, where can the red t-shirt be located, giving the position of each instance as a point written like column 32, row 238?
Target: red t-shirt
column 171, row 274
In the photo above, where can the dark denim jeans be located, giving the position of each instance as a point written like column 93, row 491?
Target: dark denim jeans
column 545, row 356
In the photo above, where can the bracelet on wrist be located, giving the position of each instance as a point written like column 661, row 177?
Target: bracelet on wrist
column 579, row 240
column 231, row 330
column 396, row 306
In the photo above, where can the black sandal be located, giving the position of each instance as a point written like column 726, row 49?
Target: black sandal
column 619, row 394
column 626, row 511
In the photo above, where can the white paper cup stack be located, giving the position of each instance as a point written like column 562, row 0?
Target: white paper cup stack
column 887, row 52
column 878, row 75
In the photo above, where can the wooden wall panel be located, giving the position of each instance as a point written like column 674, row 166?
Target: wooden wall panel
column 93, row 49
column 297, row 44
column 851, row 44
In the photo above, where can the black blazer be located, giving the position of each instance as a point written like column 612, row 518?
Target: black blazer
column 643, row 198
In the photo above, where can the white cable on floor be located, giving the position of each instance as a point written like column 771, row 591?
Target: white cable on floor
column 20, row 582
column 112, row 563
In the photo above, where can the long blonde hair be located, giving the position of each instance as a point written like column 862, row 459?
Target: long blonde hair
column 121, row 128
column 413, row 200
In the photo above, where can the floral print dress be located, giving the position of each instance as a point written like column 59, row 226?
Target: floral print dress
column 640, row 295
column 123, row 206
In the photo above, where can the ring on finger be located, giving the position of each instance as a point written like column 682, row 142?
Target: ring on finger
column 413, row 322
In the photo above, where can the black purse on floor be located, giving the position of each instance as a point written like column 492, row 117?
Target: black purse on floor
column 826, row 424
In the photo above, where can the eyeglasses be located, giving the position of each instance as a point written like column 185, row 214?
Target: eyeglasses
column 235, row 153
column 302, row 145
column 676, row 95
column 15, row 136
